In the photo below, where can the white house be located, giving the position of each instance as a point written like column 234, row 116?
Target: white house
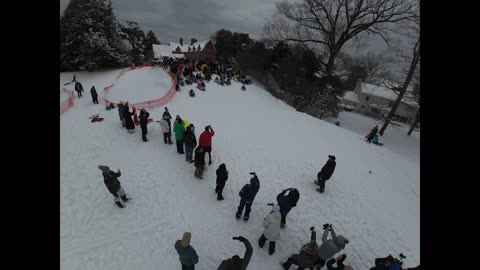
column 374, row 101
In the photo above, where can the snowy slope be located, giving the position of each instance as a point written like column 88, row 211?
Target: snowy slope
column 141, row 85
column 378, row 212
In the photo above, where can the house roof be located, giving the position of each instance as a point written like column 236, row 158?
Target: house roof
column 351, row 95
column 384, row 92
column 160, row 51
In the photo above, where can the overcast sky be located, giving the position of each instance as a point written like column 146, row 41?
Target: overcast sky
column 172, row 19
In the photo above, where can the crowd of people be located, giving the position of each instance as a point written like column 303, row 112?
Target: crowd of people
column 312, row 254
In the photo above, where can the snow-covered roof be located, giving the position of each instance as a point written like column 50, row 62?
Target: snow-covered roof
column 178, row 55
column 160, row 51
column 384, row 92
column 350, row 95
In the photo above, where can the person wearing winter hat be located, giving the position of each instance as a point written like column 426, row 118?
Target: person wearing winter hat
column 287, row 199
column 235, row 262
column 205, row 140
column 330, row 247
column 143, row 123
column 110, row 178
column 339, row 261
column 179, row 129
column 308, row 255
column 325, row 173
column 272, row 229
column 120, row 112
column 222, row 176
column 247, row 195
column 187, row 254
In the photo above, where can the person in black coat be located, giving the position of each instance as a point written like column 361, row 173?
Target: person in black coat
column 143, row 123
column 247, row 195
column 235, row 262
column 190, row 143
column 93, row 91
column 79, row 89
column 325, row 173
column 127, row 115
column 222, row 176
column 166, row 115
column 110, row 178
column 199, row 162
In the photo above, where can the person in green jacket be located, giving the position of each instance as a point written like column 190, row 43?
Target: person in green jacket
column 188, row 255
column 179, row 129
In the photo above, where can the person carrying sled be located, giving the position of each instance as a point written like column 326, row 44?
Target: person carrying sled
column 372, row 134
column 94, row 94
column 143, row 123
column 308, row 256
column 325, row 173
column 190, row 143
column 235, row 262
column 247, row 195
column 199, row 162
column 222, row 176
column 205, row 140
column 271, row 233
column 187, row 254
column 110, row 178
column 79, row 89
column 287, row 199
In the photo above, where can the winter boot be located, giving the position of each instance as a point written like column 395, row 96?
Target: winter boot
column 220, row 198
column 245, row 218
column 321, row 190
column 238, row 215
column 210, row 162
column 125, row 199
column 119, row 204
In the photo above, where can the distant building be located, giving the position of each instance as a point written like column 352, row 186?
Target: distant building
column 199, row 51
column 374, row 101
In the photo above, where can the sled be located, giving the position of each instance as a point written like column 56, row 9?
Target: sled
column 97, row 119
column 94, row 116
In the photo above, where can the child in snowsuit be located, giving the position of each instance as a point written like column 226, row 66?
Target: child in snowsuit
column 372, row 134
column 110, row 178
column 222, row 176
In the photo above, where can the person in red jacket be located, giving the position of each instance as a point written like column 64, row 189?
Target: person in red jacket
column 205, row 141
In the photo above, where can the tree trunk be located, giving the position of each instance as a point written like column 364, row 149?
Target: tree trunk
column 403, row 90
column 417, row 118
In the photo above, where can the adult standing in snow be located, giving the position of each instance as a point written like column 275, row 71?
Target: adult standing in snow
column 247, row 195
column 339, row 261
column 110, row 178
column 308, row 255
column 121, row 109
column 325, row 173
column 166, row 131
column 330, row 247
column 127, row 115
column 205, row 140
column 272, row 229
column 79, row 89
column 179, row 129
column 143, row 123
column 187, row 254
column 190, row 143
column 93, row 91
column 372, row 134
column 222, row 176
column 166, row 115
column 235, row 262
column 199, row 162
column 287, row 199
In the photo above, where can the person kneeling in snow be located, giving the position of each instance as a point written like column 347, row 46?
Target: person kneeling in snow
column 199, row 162
column 272, row 229
column 308, row 255
column 110, row 178
column 237, row 263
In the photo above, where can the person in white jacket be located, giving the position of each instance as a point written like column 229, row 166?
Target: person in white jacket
column 167, row 136
column 272, row 229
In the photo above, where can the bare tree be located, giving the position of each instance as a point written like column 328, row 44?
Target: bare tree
column 331, row 23
column 412, row 33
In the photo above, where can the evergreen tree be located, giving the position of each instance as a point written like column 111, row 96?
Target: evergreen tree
column 135, row 37
column 89, row 36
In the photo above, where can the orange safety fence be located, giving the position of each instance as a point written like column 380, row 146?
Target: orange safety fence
column 67, row 104
column 146, row 104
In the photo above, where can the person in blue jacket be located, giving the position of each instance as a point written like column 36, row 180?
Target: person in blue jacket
column 287, row 199
column 247, row 195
